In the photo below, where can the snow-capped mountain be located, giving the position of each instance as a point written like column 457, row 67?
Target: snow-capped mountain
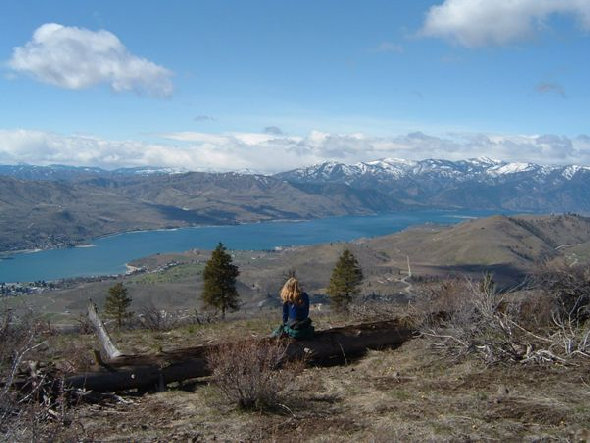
column 475, row 183
column 365, row 187
column 391, row 169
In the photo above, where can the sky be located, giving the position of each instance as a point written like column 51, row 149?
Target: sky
column 268, row 86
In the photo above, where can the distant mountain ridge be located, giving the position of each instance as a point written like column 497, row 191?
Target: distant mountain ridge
column 47, row 206
column 481, row 183
column 389, row 169
column 386, row 169
column 84, row 205
column 68, row 173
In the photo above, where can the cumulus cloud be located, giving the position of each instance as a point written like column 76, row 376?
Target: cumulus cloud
column 78, row 58
column 270, row 153
column 478, row 23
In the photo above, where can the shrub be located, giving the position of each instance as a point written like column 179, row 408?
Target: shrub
column 155, row 319
column 33, row 405
column 252, row 374
column 569, row 288
column 462, row 317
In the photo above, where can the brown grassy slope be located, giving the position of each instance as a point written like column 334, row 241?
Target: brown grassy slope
column 521, row 241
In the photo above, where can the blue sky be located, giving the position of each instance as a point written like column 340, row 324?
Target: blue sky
column 271, row 85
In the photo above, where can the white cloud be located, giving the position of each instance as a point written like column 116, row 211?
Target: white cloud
column 269, row 153
column 77, row 58
column 478, row 23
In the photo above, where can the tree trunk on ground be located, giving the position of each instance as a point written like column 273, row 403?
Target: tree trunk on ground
column 326, row 348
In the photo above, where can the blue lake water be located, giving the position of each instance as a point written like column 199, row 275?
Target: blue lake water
column 108, row 255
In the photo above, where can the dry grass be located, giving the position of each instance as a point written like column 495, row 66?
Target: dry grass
column 412, row 393
column 408, row 394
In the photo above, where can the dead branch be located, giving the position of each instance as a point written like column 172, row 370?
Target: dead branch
column 106, row 343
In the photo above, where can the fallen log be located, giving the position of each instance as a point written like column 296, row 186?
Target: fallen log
column 328, row 347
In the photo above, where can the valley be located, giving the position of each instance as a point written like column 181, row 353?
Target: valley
column 56, row 206
column 420, row 390
column 510, row 247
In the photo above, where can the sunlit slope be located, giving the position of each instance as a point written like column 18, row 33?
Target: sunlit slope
column 522, row 241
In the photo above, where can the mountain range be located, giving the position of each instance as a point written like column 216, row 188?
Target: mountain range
column 48, row 206
column 480, row 183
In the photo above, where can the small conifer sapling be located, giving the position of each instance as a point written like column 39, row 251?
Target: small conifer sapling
column 219, row 281
column 116, row 305
column 347, row 276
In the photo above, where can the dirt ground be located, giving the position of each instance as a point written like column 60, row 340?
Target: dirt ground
column 406, row 394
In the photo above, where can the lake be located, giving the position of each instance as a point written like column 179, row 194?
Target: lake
column 108, row 255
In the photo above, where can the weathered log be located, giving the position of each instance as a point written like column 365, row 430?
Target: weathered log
column 328, row 347
column 107, row 346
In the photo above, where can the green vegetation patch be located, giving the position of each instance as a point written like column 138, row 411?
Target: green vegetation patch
column 173, row 274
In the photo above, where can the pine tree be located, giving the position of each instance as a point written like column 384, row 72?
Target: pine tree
column 345, row 281
column 117, row 303
column 219, row 279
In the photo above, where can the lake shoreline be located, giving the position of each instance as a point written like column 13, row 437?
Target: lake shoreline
column 111, row 253
column 7, row 254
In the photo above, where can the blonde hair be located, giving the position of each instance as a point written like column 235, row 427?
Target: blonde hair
column 291, row 291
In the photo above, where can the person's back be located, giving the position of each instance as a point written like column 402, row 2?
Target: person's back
column 296, row 321
column 296, row 311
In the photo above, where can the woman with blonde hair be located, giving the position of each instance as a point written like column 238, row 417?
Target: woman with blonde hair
column 296, row 321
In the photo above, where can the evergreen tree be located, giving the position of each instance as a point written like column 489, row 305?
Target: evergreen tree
column 219, row 280
column 117, row 303
column 345, row 281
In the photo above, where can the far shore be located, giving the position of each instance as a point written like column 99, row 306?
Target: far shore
column 7, row 254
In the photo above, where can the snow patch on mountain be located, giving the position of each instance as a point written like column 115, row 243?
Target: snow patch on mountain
column 481, row 169
column 570, row 171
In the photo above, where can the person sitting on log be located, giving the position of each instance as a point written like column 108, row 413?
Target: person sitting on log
column 296, row 321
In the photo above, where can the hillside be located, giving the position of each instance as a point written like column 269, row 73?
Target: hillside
column 415, row 392
column 521, row 241
column 404, row 394
column 422, row 390
column 41, row 214
column 51, row 206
